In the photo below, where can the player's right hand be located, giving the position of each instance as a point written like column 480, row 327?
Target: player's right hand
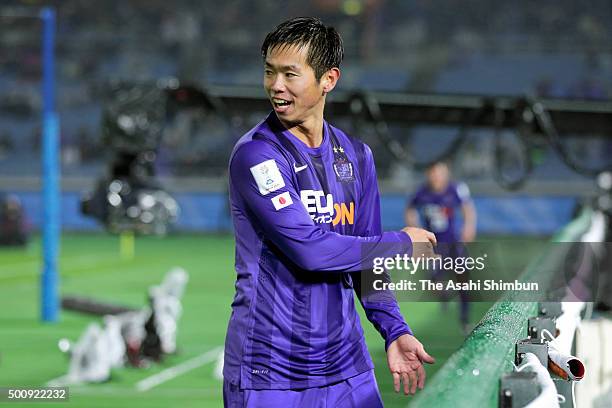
column 423, row 242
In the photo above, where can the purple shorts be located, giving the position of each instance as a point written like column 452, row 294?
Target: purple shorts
column 360, row 391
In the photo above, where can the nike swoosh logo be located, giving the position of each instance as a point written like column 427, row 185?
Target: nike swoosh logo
column 300, row 168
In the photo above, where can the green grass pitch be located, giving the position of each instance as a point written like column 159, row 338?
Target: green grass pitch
column 90, row 265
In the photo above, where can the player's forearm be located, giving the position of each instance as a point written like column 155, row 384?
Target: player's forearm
column 469, row 222
column 387, row 319
column 469, row 214
column 381, row 309
column 323, row 251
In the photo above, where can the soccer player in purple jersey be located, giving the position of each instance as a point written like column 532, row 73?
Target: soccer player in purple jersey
column 437, row 200
column 305, row 203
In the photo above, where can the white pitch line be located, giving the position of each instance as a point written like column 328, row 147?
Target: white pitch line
column 58, row 382
column 172, row 372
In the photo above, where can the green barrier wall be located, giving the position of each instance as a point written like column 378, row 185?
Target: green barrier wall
column 470, row 377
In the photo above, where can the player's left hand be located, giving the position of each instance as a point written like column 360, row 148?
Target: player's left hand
column 405, row 357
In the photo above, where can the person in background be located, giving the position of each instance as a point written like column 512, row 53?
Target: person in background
column 438, row 201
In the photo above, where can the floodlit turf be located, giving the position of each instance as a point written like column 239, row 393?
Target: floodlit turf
column 90, row 265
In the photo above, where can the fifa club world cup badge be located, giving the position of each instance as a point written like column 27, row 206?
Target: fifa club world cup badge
column 342, row 166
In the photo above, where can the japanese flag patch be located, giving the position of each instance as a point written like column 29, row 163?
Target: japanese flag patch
column 282, row 200
column 267, row 176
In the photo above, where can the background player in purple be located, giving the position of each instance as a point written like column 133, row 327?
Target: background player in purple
column 305, row 206
column 437, row 201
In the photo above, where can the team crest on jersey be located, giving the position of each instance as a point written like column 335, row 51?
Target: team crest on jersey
column 344, row 171
column 342, row 166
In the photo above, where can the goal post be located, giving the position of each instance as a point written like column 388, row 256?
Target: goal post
column 51, row 173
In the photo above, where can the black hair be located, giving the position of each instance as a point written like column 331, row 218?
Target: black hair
column 325, row 49
column 437, row 162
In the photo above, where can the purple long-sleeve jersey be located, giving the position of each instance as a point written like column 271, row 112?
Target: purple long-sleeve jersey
column 306, row 219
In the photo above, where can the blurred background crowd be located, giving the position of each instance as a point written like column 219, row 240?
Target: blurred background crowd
column 557, row 49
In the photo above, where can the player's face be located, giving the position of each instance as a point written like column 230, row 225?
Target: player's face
column 291, row 85
column 438, row 177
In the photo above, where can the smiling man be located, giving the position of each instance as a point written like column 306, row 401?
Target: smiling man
column 305, row 206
